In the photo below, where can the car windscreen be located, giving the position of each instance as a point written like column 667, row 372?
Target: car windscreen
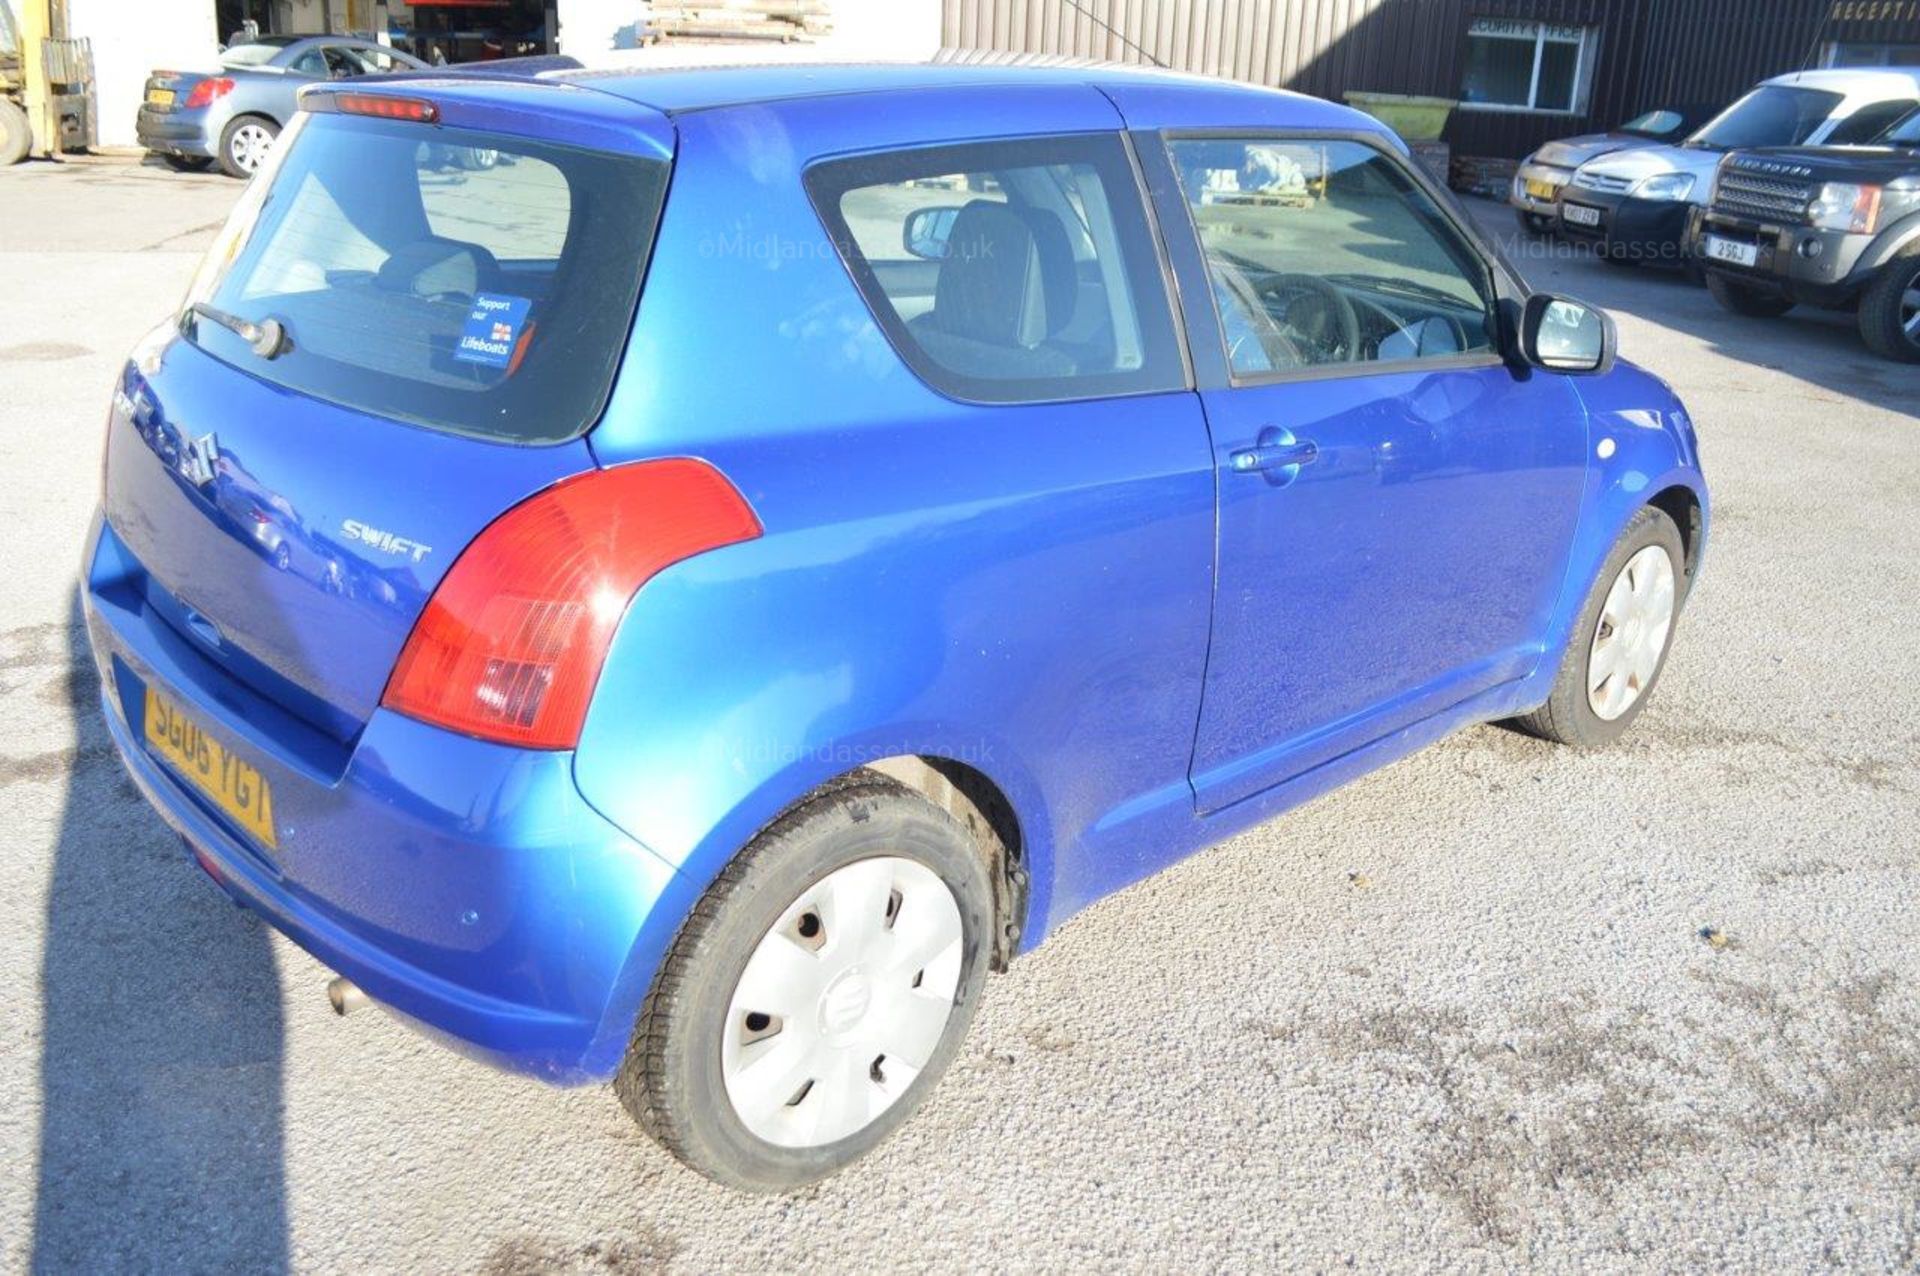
column 251, row 54
column 1654, row 124
column 1771, row 115
column 472, row 282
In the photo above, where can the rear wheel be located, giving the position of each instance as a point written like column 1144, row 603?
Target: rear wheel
column 245, row 143
column 816, row 992
column 1621, row 640
column 1890, row 309
column 1743, row 299
column 16, row 135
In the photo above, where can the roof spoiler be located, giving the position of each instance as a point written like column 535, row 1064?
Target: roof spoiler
column 502, row 69
column 513, row 68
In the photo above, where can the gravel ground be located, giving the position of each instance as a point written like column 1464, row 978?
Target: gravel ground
column 1458, row 1015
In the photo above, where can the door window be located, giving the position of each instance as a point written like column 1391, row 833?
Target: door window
column 1869, row 122
column 1324, row 253
column 1008, row 272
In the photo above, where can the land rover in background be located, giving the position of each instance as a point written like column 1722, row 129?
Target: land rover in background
column 1835, row 227
column 1536, row 187
column 1634, row 205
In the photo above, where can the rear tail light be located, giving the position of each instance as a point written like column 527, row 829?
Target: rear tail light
column 379, row 104
column 511, row 643
column 207, row 92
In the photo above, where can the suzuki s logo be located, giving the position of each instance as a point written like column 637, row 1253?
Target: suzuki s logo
column 385, row 542
column 196, row 461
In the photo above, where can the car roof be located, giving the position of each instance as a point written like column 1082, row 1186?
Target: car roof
column 1886, row 81
column 672, row 90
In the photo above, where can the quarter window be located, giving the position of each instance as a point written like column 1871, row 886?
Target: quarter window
column 1527, row 66
column 1006, row 272
column 1326, row 253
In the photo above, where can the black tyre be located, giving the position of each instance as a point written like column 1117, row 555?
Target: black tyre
column 188, row 163
column 1744, row 299
column 1890, row 308
column 245, row 143
column 1620, row 642
column 816, row 992
column 16, row 135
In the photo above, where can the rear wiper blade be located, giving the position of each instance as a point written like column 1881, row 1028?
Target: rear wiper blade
column 268, row 338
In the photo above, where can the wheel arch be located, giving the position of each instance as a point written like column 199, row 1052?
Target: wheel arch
column 1653, row 461
column 1681, row 503
column 998, row 809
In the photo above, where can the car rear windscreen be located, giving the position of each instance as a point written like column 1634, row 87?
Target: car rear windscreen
column 473, row 282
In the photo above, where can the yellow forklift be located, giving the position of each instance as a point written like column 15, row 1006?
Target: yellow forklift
column 46, row 83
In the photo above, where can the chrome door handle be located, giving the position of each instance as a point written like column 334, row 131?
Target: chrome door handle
column 1274, row 456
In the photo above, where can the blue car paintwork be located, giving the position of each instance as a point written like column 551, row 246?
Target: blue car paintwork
column 1411, row 565
column 1028, row 590
column 491, row 902
column 325, row 653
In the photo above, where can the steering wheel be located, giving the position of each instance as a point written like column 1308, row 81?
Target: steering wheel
column 1341, row 345
column 1277, row 350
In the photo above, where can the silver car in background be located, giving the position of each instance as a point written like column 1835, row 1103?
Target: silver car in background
column 1536, row 187
column 230, row 116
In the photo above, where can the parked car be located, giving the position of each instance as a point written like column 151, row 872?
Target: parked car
column 1536, row 186
column 1634, row 205
column 1015, row 479
column 231, row 116
column 1836, row 227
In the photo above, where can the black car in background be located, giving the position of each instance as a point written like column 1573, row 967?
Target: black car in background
column 1830, row 226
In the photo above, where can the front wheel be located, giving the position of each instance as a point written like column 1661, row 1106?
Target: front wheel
column 16, row 135
column 1620, row 642
column 816, row 992
column 244, row 144
column 1890, row 309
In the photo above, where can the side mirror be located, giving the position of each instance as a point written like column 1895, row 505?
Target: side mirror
column 1563, row 335
column 926, row 231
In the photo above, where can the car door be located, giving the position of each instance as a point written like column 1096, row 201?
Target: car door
column 1396, row 502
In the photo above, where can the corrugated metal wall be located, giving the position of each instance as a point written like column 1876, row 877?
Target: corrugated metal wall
column 1650, row 52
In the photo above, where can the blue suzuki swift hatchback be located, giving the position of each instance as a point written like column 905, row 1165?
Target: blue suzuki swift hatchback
column 680, row 603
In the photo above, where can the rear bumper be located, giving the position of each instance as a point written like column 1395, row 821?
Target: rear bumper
column 174, row 133
column 1649, row 230
column 465, row 885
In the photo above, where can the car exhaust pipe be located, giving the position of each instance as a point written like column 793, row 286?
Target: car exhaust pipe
column 345, row 996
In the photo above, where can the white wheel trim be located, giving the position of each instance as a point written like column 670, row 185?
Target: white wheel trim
column 249, row 147
column 1631, row 633
column 853, row 1013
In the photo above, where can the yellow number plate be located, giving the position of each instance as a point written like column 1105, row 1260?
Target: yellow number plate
column 1542, row 190
column 160, row 97
column 211, row 767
